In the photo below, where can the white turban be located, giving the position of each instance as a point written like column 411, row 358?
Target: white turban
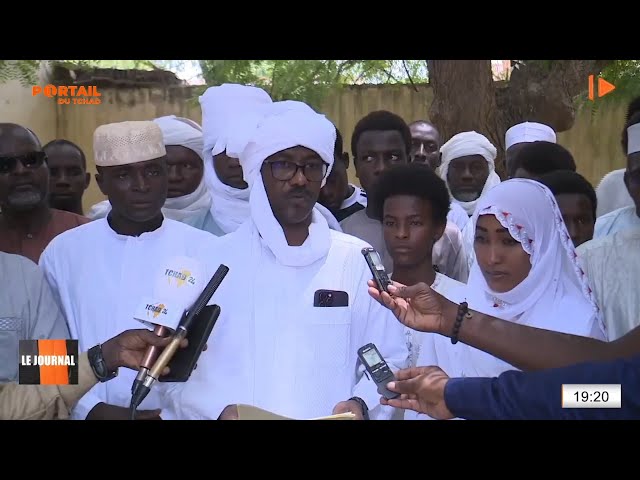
column 228, row 110
column 286, row 125
column 182, row 132
column 220, row 104
column 529, row 132
column 465, row 144
column 633, row 139
column 193, row 207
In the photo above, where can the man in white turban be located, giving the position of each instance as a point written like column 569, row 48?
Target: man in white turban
column 295, row 304
column 101, row 272
column 229, row 113
column 221, row 106
column 519, row 135
column 468, row 168
column 188, row 200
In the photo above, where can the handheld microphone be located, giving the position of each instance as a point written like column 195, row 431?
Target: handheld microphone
column 179, row 334
column 178, row 283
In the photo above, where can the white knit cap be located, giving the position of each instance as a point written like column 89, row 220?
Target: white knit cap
column 529, row 132
column 124, row 143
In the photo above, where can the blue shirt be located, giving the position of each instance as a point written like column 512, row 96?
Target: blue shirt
column 516, row 395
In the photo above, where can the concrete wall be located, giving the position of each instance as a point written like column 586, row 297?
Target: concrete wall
column 594, row 140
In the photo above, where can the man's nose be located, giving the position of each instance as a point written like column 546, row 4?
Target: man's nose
column 299, row 178
column 20, row 169
column 402, row 232
column 466, row 175
column 174, row 174
column 141, row 183
column 62, row 180
column 379, row 166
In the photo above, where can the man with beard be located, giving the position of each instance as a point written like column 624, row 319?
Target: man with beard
column 27, row 223
column 277, row 348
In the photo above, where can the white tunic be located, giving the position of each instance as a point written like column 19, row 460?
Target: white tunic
column 100, row 277
column 273, row 349
column 612, row 264
column 622, row 219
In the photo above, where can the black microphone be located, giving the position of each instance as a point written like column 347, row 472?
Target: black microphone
column 180, row 333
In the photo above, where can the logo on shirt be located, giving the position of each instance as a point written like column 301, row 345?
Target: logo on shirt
column 48, row 362
column 179, row 276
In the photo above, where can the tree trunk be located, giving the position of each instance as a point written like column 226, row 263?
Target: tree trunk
column 465, row 96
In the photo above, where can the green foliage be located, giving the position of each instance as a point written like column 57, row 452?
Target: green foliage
column 26, row 71
column 310, row 80
column 625, row 76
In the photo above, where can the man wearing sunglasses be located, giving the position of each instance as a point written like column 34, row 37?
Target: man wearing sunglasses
column 27, row 223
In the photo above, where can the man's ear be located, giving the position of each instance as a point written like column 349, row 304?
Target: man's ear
column 345, row 159
column 626, row 180
column 87, row 180
column 100, row 182
column 439, row 231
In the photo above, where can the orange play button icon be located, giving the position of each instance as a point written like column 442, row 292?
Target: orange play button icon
column 604, row 87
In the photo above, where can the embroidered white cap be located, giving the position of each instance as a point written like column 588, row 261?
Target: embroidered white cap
column 529, row 132
column 124, row 143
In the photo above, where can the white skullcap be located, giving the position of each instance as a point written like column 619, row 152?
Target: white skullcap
column 182, row 132
column 468, row 143
column 529, row 132
column 285, row 125
column 223, row 103
column 124, row 143
column 633, row 139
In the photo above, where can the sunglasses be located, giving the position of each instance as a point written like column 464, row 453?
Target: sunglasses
column 30, row 160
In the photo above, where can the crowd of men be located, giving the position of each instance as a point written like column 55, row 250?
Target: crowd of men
column 502, row 274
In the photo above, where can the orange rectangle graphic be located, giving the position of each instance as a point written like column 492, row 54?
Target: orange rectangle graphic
column 53, row 374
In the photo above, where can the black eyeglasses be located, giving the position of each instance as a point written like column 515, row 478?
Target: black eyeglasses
column 284, row 170
column 31, row 160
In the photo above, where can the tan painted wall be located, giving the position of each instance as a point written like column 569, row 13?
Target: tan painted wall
column 594, row 140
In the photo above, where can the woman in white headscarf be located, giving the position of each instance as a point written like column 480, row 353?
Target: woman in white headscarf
column 188, row 200
column 526, row 272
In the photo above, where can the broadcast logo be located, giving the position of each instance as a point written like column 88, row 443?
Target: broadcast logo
column 48, row 362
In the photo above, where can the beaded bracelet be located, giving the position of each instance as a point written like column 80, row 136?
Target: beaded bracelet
column 463, row 311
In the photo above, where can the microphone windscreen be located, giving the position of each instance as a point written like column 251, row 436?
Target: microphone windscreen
column 178, row 284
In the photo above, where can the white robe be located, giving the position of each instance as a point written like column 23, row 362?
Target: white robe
column 622, row 219
column 434, row 349
column 612, row 264
column 271, row 348
column 100, row 278
column 458, row 215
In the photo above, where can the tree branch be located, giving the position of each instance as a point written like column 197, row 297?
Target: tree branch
column 404, row 64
